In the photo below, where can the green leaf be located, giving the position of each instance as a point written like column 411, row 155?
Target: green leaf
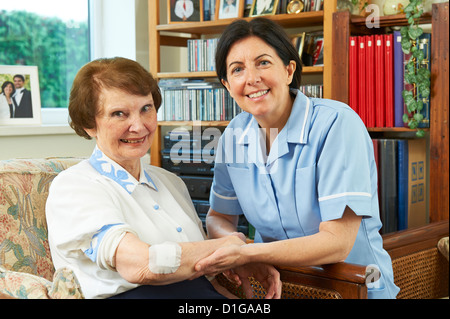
column 413, row 124
column 418, row 117
column 419, row 106
column 406, row 94
column 420, row 133
column 405, row 118
column 414, row 33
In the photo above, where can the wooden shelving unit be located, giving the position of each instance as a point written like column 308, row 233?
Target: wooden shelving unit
column 343, row 26
column 177, row 35
column 337, row 27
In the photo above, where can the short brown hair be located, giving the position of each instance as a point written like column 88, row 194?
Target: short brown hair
column 111, row 73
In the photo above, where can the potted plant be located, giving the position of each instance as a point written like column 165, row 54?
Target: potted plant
column 415, row 73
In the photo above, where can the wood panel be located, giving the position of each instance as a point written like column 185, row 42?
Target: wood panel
column 439, row 142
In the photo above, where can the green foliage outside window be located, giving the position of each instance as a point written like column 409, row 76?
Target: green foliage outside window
column 58, row 48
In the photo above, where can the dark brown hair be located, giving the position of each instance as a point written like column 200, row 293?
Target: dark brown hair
column 110, row 73
column 268, row 31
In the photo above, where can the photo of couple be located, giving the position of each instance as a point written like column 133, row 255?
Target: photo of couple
column 15, row 96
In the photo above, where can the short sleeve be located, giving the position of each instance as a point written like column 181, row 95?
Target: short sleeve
column 345, row 167
column 223, row 197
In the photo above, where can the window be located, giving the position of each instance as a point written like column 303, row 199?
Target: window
column 52, row 34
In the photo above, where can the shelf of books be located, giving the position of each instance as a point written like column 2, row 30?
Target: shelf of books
column 413, row 181
column 195, row 98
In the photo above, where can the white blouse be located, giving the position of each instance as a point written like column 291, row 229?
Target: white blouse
column 93, row 204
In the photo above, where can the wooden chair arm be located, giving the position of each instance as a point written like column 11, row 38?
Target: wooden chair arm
column 408, row 241
column 339, row 271
column 340, row 280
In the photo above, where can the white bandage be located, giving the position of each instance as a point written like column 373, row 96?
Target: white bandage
column 164, row 258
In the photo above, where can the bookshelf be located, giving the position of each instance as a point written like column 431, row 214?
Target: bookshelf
column 177, row 35
column 337, row 28
column 343, row 26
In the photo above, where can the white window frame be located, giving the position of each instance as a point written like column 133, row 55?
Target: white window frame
column 112, row 33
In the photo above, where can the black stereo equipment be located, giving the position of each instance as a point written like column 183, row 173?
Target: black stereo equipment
column 198, row 186
column 186, row 166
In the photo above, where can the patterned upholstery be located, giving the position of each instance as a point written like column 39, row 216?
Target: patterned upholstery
column 24, row 185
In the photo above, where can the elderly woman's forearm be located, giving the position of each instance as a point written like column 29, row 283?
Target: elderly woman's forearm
column 132, row 259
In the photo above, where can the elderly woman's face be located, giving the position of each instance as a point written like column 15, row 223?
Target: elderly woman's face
column 125, row 125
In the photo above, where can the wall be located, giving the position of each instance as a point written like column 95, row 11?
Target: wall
column 37, row 142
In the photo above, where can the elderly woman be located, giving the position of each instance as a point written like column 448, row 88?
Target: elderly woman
column 127, row 229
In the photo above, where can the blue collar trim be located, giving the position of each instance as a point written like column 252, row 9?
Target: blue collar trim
column 107, row 167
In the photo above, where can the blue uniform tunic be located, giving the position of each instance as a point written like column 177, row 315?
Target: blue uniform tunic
column 320, row 162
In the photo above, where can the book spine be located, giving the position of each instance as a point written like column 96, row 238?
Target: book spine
column 425, row 46
column 398, row 80
column 353, row 74
column 370, row 80
column 379, row 81
column 389, row 82
column 388, row 185
column 403, row 161
column 362, row 79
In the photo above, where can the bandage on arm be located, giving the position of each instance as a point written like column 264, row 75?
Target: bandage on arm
column 164, row 258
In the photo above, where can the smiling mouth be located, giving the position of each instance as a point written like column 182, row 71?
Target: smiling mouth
column 135, row 141
column 258, row 94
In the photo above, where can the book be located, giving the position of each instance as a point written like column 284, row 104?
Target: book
column 318, row 50
column 379, row 81
column 370, row 81
column 362, row 79
column 377, row 163
column 195, row 100
column 388, row 184
column 398, row 80
column 389, row 80
column 417, row 183
column 402, row 157
column 201, row 54
column 353, row 74
column 425, row 46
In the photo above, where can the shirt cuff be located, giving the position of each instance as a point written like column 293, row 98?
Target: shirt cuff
column 224, row 204
column 104, row 244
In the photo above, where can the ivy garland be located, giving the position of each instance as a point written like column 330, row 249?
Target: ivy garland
column 415, row 72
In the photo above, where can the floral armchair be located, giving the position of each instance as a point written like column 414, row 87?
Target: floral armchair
column 26, row 268
column 27, row 271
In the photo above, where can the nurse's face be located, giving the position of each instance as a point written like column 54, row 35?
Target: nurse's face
column 125, row 125
column 257, row 78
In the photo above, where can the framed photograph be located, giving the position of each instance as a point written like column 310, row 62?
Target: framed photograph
column 227, row 9
column 263, row 7
column 295, row 6
column 20, row 100
column 184, row 11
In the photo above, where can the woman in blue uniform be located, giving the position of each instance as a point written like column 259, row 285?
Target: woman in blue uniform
column 300, row 169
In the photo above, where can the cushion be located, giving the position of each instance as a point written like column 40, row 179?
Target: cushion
column 26, row 286
column 24, row 185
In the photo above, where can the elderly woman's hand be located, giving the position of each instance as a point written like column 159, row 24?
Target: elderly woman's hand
column 227, row 257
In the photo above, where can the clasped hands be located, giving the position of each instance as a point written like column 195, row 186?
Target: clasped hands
column 237, row 268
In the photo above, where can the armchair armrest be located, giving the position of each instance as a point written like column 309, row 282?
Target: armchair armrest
column 333, row 281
